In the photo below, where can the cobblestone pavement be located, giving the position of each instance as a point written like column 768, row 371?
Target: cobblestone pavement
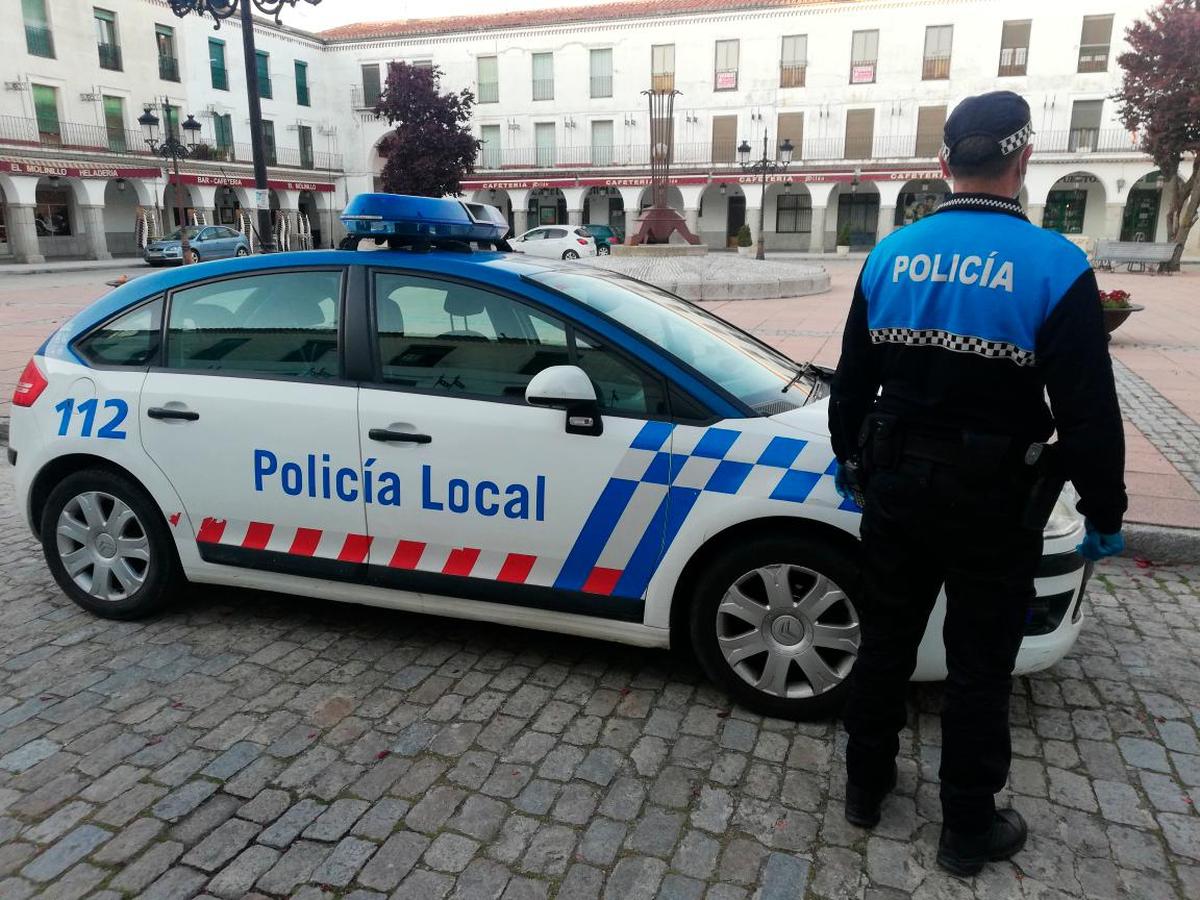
column 245, row 744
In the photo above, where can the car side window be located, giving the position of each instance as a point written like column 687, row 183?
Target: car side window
column 207, row 234
column 278, row 324
column 460, row 340
column 537, row 235
column 555, row 233
column 621, row 387
column 131, row 339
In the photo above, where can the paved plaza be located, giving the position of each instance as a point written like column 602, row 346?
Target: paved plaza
column 244, row 744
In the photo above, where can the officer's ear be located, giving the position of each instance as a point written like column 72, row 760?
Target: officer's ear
column 945, row 168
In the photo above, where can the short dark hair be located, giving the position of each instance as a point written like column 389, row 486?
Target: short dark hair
column 986, row 162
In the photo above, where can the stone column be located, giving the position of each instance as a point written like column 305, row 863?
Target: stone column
column 574, row 216
column 886, row 223
column 22, row 234
column 93, row 231
column 816, row 240
column 1034, row 212
column 752, row 221
column 520, row 221
column 692, row 217
column 1114, row 217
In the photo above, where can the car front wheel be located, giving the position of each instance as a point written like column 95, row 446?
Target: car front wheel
column 107, row 546
column 774, row 623
column 570, row 254
column 193, row 256
column 242, row 251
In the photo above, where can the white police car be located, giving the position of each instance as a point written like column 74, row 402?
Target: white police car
column 470, row 433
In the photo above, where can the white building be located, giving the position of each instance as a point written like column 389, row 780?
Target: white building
column 860, row 89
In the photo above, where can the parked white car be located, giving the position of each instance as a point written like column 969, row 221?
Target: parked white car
column 556, row 242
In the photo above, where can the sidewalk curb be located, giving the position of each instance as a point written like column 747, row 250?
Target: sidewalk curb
column 1162, row 543
column 98, row 266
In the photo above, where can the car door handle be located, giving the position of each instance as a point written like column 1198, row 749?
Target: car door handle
column 400, row 437
column 162, row 412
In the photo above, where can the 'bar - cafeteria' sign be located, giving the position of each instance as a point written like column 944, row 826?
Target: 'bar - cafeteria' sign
column 234, row 181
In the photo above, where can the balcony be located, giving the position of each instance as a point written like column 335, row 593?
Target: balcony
column 791, row 75
column 1093, row 58
column 935, row 68
column 725, row 80
column 364, row 98
column 168, row 68
column 489, row 92
column 39, row 41
column 23, row 132
column 862, row 71
column 302, row 96
column 662, row 81
column 265, row 91
column 601, row 86
column 220, row 77
column 543, row 89
column 1012, row 61
column 110, row 56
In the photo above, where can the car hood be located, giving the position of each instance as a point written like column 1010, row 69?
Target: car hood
column 163, row 245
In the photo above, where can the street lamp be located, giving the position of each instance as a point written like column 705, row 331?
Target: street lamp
column 224, row 9
column 763, row 167
column 170, row 147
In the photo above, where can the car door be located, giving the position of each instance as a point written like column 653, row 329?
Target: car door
column 206, row 245
column 475, row 492
column 531, row 242
column 249, row 418
column 223, row 240
column 555, row 243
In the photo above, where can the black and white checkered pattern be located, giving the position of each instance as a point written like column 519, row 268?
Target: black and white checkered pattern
column 973, row 201
column 959, row 343
column 1017, row 139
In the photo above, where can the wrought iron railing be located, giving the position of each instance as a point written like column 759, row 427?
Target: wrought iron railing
column 792, row 75
column 1093, row 58
column 601, row 86
column 110, row 56
column 220, row 77
column 39, row 41
column 168, row 68
column 543, row 89
column 489, row 92
column 935, row 68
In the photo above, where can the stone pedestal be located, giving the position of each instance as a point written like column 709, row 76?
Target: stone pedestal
column 520, row 222
column 93, row 232
column 887, row 222
column 22, row 234
column 574, row 216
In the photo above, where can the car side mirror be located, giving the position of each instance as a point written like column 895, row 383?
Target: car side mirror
column 568, row 388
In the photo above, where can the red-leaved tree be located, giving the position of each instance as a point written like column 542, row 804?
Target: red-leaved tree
column 430, row 148
column 1160, row 97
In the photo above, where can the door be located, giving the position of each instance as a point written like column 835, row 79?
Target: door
column 860, row 133
column 207, row 244
column 253, row 426
column 475, row 484
column 530, row 241
column 859, row 212
column 1140, row 222
column 735, row 218
column 555, row 244
column 724, row 139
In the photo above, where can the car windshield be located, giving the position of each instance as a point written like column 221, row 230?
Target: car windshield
column 747, row 368
column 177, row 234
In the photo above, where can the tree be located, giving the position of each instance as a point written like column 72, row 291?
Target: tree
column 430, row 149
column 1160, row 97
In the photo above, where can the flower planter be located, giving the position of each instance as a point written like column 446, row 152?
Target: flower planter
column 1115, row 316
column 745, row 251
column 842, row 250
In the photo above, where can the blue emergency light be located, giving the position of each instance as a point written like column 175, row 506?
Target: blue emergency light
column 422, row 218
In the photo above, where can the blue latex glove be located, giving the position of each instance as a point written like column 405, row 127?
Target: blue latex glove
column 1097, row 545
column 841, row 480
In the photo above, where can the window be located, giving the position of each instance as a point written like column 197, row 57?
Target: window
column 543, row 76
column 268, row 133
column 490, row 138
column 1094, row 43
column 302, row 95
column 216, row 64
column 52, row 213
column 131, row 339
column 304, row 132
column 223, row 133
column 171, row 120
column 864, row 55
column 724, row 138
column 1014, row 48
column 725, row 75
column 168, row 63
column 793, row 214
column 422, row 63
column 45, row 108
column 370, row 85
column 601, row 72
column 1065, row 211
column 620, row 387
column 282, row 324
column 860, row 133
column 602, row 142
column 790, row 127
column 489, row 79
column 1085, row 125
column 662, row 67
column 543, row 133
column 931, row 122
column 106, row 39
column 937, row 52
column 262, row 61
column 39, row 40
column 793, row 60
column 114, row 123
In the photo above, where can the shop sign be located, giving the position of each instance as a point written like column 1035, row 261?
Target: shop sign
column 863, row 74
column 62, row 170
column 234, row 181
column 727, row 81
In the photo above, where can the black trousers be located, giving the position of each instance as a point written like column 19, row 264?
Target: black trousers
column 925, row 525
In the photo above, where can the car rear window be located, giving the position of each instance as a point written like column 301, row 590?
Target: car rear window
column 131, row 339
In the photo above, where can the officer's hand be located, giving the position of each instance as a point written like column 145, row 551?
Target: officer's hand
column 1097, row 545
column 841, row 480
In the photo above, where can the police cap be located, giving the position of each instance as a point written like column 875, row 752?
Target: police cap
column 1000, row 116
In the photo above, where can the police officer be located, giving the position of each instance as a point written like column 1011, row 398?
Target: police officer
column 960, row 327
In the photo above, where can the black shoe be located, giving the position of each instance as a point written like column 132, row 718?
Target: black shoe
column 862, row 806
column 966, row 854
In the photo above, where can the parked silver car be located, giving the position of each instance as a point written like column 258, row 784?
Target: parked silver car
column 205, row 242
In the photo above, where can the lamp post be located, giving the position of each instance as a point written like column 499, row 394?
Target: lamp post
column 224, row 9
column 172, row 148
column 763, row 167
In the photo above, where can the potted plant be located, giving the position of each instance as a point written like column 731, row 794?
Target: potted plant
column 745, row 243
column 843, row 240
column 1117, row 307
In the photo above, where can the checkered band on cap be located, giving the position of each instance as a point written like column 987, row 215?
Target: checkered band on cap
column 1017, row 139
column 948, row 340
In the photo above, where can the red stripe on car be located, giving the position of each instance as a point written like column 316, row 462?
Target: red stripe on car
column 257, row 535
column 407, row 555
column 602, row 581
column 305, row 542
column 355, row 549
column 460, row 561
column 516, row 568
column 210, row 531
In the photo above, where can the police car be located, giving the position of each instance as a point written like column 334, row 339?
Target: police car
column 441, row 428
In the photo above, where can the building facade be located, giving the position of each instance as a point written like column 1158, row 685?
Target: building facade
column 860, row 90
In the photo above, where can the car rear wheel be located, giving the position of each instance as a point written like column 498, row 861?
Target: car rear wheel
column 570, row 254
column 193, row 256
column 774, row 623
column 603, row 250
column 107, row 545
column 242, row 251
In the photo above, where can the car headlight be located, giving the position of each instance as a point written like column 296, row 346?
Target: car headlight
column 1064, row 518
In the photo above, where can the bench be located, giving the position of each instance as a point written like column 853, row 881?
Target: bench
column 1131, row 253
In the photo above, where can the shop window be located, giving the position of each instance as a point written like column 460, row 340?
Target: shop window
column 1064, row 211
column 52, row 215
column 793, row 214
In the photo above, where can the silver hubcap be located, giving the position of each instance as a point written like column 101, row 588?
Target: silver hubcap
column 103, row 546
column 788, row 631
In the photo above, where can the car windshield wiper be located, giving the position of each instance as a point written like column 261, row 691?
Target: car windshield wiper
column 804, row 371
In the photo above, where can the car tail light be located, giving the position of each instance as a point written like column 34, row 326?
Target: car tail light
column 29, row 386
column 582, row 242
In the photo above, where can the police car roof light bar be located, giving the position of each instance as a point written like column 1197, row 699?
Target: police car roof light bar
column 405, row 220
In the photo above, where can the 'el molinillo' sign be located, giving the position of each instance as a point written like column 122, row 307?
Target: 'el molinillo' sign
column 61, row 170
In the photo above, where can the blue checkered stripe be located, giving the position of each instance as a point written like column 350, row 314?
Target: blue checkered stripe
column 662, row 476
